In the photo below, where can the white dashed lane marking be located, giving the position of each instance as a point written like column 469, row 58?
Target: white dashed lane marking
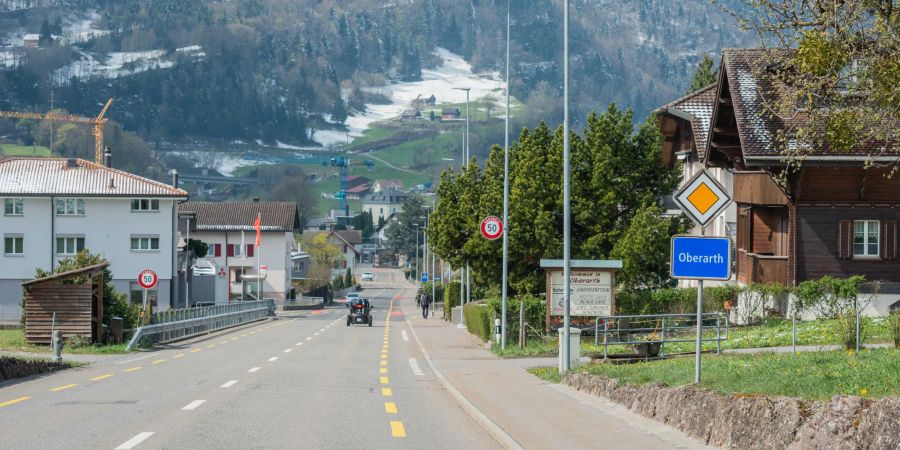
column 405, row 336
column 193, row 405
column 273, row 358
column 229, row 384
column 133, row 442
column 288, row 350
column 414, row 365
column 254, row 369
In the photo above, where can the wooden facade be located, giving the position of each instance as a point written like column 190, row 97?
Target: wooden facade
column 78, row 308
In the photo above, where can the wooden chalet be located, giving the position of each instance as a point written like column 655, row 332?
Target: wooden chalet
column 833, row 216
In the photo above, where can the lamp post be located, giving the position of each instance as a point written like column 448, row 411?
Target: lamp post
column 464, row 294
column 417, row 256
column 567, row 219
column 505, row 193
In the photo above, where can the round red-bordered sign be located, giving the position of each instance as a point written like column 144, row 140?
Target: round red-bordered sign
column 147, row 279
column 492, row 227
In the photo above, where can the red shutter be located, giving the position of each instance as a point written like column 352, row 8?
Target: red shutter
column 345, row 264
column 217, row 250
column 230, row 249
column 889, row 240
column 249, row 250
column 845, row 239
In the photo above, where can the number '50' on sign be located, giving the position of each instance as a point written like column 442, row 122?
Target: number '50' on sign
column 491, row 227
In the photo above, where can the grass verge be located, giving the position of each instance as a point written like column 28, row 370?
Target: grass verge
column 810, row 375
column 24, row 150
column 549, row 374
column 14, row 341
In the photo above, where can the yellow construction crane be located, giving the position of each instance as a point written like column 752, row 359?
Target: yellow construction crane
column 97, row 123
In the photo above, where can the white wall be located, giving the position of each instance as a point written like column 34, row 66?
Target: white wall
column 274, row 252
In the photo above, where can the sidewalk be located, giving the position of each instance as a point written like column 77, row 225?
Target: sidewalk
column 523, row 411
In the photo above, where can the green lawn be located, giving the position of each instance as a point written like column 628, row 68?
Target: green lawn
column 810, row 375
column 14, row 341
column 24, row 150
column 772, row 333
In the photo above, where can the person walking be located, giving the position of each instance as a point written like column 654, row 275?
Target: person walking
column 426, row 302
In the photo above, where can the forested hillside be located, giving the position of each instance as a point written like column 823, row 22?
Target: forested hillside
column 274, row 69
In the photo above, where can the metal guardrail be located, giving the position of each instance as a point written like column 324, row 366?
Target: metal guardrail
column 661, row 328
column 184, row 323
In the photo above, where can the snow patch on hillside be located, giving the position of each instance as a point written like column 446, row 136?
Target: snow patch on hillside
column 441, row 82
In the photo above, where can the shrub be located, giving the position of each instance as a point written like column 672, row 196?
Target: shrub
column 894, row 325
column 451, row 298
column 673, row 300
column 77, row 341
column 535, row 314
column 751, row 307
column 845, row 328
column 478, row 320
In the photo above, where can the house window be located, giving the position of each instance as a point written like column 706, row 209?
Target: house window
column 144, row 243
column 69, row 207
column 144, row 204
column 69, row 245
column 866, row 238
column 13, row 206
column 13, row 245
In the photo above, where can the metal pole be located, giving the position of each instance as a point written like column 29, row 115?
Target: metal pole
column 468, row 284
column 503, row 282
column 793, row 328
column 259, row 293
column 433, row 300
column 417, row 260
column 467, row 126
column 567, row 237
column 856, row 306
column 187, row 285
column 699, row 331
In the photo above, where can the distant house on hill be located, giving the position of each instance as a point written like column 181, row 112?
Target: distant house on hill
column 411, row 114
column 31, row 40
column 450, row 114
column 383, row 204
column 382, row 185
column 430, row 101
column 356, row 180
column 355, row 192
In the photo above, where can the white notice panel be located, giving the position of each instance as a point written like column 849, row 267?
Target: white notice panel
column 591, row 293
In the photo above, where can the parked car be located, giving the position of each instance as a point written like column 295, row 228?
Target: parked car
column 350, row 297
column 367, row 276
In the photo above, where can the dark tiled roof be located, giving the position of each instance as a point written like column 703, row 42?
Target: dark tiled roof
column 236, row 216
column 351, row 236
column 754, row 88
column 699, row 105
column 390, row 195
column 76, row 177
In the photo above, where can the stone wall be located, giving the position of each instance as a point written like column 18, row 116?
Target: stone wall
column 757, row 422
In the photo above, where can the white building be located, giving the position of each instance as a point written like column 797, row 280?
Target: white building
column 236, row 257
column 55, row 207
column 685, row 126
column 383, row 204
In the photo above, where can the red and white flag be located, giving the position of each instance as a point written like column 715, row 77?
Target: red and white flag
column 256, row 226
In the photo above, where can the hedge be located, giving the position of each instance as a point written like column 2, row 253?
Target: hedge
column 674, row 300
column 451, row 298
column 478, row 319
column 535, row 314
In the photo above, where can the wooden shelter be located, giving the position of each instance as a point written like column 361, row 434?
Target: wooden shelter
column 75, row 296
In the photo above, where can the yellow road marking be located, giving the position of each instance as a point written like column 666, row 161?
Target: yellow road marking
column 224, row 342
column 383, row 356
column 390, row 407
column 101, row 377
column 158, row 361
column 382, row 370
column 387, row 392
column 196, row 350
column 14, row 401
column 210, row 345
column 178, row 355
column 397, row 429
column 63, row 387
column 133, row 369
column 234, row 339
column 383, row 380
column 384, row 362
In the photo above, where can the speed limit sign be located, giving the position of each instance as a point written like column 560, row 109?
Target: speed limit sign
column 491, row 227
column 147, row 279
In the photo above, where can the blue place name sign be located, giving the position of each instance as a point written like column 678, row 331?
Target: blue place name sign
column 701, row 258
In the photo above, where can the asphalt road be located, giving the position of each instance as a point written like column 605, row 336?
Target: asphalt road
column 306, row 381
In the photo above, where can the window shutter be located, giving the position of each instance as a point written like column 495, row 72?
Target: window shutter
column 217, row 250
column 889, row 240
column 845, row 239
column 230, row 249
column 249, row 250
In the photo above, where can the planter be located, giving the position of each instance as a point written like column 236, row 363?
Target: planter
column 650, row 349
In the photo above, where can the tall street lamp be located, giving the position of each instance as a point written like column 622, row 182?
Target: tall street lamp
column 465, row 279
column 567, row 213
column 505, row 192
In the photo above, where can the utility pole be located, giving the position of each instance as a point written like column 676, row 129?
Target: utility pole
column 505, row 193
column 465, row 280
column 567, row 213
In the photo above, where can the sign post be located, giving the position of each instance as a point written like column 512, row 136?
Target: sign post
column 147, row 279
column 700, row 257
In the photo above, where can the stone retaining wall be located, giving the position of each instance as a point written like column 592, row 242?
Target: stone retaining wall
column 757, row 422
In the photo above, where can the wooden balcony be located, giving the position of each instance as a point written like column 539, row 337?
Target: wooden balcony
column 757, row 188
column 753, row 268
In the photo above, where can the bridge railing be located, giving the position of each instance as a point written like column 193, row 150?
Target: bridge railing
column 179, row 324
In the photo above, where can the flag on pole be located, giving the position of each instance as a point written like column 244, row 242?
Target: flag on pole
column 256, row 226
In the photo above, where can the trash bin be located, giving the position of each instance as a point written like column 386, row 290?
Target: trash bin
column 575, row 347
column 117, row 329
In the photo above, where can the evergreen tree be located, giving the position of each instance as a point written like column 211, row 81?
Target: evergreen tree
column 704, row 75
column 338, row 110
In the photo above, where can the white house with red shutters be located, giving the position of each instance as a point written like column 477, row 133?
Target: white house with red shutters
column 227, row 228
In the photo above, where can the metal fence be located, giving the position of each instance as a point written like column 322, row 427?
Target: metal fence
column 659, row 328
column 176, row 324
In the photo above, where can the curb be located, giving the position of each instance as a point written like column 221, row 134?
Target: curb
column 502, row 437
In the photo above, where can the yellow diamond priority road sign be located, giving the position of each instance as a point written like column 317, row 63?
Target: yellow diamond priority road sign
column 702, row 198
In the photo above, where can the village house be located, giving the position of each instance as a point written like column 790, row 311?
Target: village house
column 450, row 114
column 55, row 207
column 381, row 185
column 684, row 124
column 383, row 204
column 31, row 40
column 347, row 243
column 410, row 115
column 227, row 228
column 833, row 216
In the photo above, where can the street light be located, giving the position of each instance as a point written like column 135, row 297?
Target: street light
column 567, row 213
column 465, row 280
column 505, row 193
column 417, row 256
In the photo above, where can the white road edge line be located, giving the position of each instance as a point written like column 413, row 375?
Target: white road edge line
column 133, row 442
column 229, row 384
column 253, row 369
column 127, row 361
column 405, row 336
column 274, row 358
column 309, row 338
column 193, row 405
column 299, row 343
column 495, row 430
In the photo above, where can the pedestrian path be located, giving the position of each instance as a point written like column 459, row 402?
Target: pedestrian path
column 521, row 410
